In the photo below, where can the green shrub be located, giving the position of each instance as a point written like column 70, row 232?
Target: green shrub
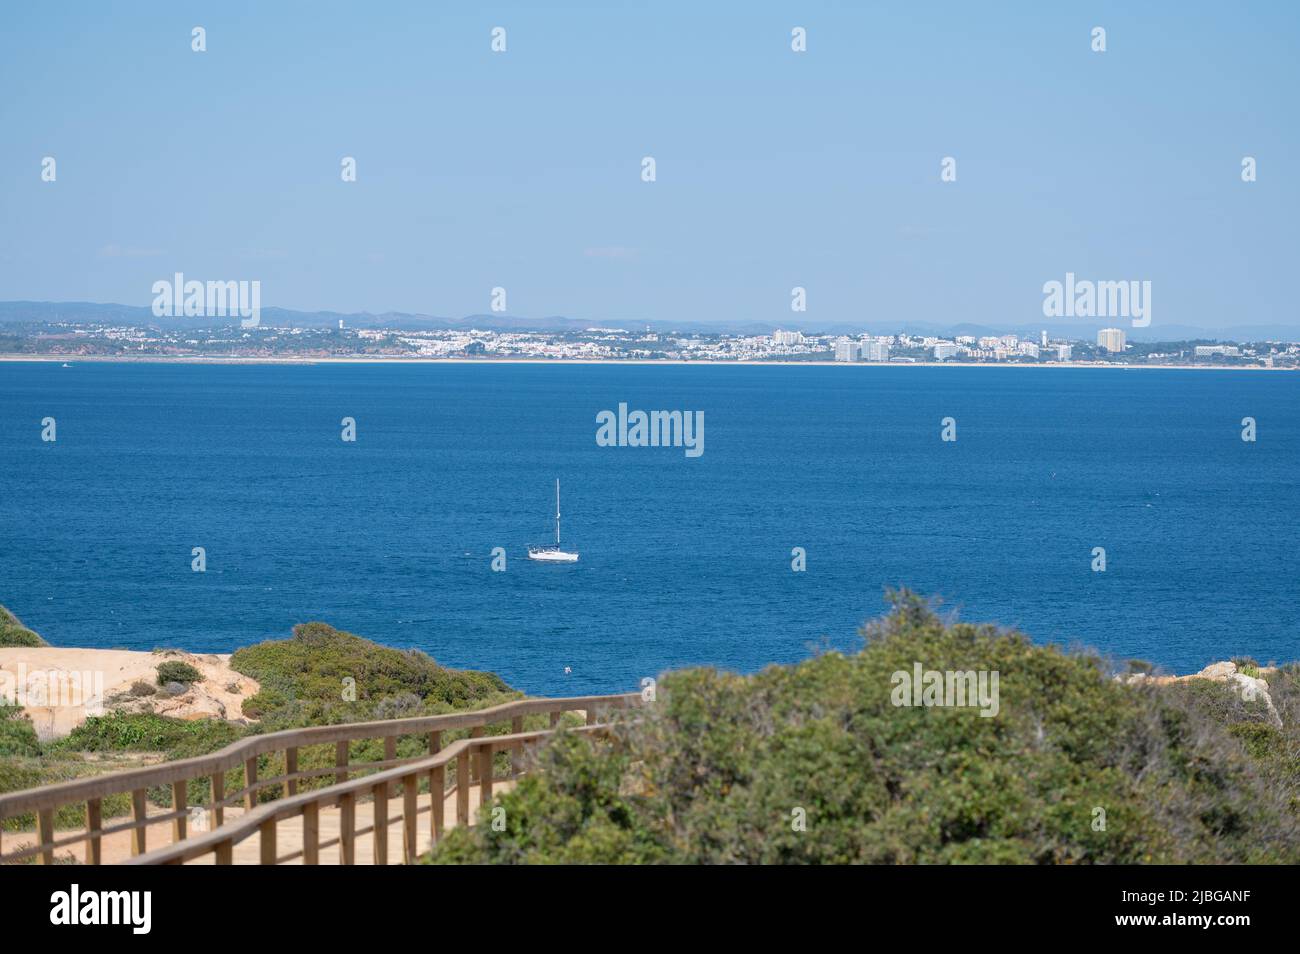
column 147, row 732
column 722, row 768
column 176, row 671
column 1276, row 749
column 17, row 737
column 14, row 633
column 312, row 677
column 1247, row 666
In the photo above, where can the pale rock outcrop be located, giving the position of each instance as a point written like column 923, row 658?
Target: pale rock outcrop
column 218, row 695
column 59, row 687
column 1253, row 690
column 1250, row 688
column 1218, row 671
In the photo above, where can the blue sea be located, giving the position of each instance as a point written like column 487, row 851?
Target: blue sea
column 685, row 561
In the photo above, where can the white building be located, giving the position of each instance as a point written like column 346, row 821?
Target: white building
column 945, row 350
column 1111, row 339
column 1064, row 352
column 877, row 350
column 846, row 350
column 1206, row 351
column 787, row 337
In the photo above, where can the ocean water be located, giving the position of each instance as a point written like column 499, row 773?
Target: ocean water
column 684, row 561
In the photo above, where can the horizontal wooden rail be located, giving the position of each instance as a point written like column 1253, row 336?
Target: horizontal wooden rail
column 44, row 802
column 262, row 820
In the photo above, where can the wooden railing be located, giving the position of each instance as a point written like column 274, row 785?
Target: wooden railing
column 43, row 803
column 264, row 820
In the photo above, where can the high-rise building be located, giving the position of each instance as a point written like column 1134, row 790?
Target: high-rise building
column 1064, row 352
column 1044, row 341
column 1111, row 339
column 945, row 350
column 846, row 350
column 787, row 337
column 876, row 351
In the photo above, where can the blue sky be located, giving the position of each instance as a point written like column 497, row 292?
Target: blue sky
column 775, row 169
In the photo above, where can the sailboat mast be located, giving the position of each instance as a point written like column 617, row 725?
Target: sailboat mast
column 557, row 511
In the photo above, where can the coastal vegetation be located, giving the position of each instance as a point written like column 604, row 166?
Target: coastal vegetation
column 816, row 763
column 1078, row 760
column 320, row 675
column 14, row 633
column 176, row 671
column 324, row 675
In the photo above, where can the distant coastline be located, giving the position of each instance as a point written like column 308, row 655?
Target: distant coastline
column 370, row 359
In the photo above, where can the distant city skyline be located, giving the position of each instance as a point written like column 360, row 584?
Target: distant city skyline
column 775, row 170
column 90, row 313
column 119, row 339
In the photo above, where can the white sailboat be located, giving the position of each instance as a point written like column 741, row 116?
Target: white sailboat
column 553, row 554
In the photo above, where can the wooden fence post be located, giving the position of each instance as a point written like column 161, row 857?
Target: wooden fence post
column 311, row 834
column 484, row 774
column 410, row 816
column 517, row 749
column 347, row 829
column 390, row 755
column 180, row 803
column 291, row 769
column 139, row 815
column 437, row 782
column 462, row 787
column 218, row 798
column 94, row 822
column 475, row 733
column 341, row 761
column 267, row 838
column 250, row 784
column 380, row 833
column 45, row 835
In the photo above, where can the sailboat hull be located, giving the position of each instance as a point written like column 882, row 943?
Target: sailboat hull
column 552, row 556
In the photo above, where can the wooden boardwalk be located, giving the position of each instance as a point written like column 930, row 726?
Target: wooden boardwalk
column 289, row 836
column 295, row 826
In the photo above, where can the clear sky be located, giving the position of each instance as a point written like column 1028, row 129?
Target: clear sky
column 523, row 169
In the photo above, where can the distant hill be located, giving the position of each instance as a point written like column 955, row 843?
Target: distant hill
column 139, row 315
